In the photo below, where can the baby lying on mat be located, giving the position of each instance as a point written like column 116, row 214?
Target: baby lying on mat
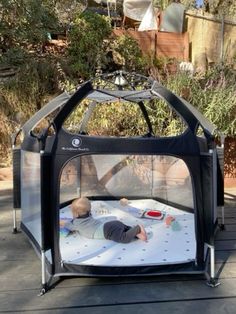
column 87, row 226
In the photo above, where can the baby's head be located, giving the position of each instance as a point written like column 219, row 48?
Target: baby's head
column 80, row 207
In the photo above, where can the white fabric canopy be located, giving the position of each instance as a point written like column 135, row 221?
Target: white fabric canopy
column 142, row 11
column 136, row 9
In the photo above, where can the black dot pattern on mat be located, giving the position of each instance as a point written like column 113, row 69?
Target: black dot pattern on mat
column 118, row 257
column 165, row 250
column 142, row 260
column 186, row 233
column 144, row 250
column 166, row 241
column 124, row 249
column 78, row 252
column 67, row 242
column 104, row 247
column 164, row 259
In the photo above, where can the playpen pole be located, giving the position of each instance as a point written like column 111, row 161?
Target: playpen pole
column 16, row 156
column 44, row 282
column 222, row 142
column 14, row 221
column 212, row 282
column 214, row 179
column 223, row 215
column 212, row 261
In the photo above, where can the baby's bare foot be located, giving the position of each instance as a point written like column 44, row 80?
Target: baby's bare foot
column 142, row 235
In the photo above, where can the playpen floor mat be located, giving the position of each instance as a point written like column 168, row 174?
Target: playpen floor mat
column 165, row 245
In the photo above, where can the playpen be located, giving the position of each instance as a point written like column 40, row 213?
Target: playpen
column 178, row 176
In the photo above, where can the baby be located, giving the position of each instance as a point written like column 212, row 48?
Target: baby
column 96, row 229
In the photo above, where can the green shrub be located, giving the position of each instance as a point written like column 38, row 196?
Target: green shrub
column 132, row 58
column 86, row 47
column 213, row 95
column 14, row 56
column 25, row 22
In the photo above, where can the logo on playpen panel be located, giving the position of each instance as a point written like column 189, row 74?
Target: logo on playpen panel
column 76, row 142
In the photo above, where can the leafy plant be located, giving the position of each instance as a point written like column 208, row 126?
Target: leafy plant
column 128, row 48
column 86, row 47
column 14, row 56
column 25, row 22
column 213, row 95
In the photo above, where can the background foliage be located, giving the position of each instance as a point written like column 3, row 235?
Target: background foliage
column 39, row 75
column 216, row 7
column 87, row 48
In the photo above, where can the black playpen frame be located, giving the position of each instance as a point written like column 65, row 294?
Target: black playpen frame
column 201, row 155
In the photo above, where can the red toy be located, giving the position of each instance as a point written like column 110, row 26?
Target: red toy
column 153, row 214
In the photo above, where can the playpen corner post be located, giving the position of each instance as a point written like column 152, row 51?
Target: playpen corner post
column 212, row 281
column 16, row 157
column 14, row 230
column 222, row 146
column 222, row 225
column 44, row 283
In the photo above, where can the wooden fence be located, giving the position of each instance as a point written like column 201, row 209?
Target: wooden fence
column 206, row 40
column 211, row 39
column 160, row 43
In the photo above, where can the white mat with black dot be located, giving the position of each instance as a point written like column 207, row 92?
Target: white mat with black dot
column 168, row 243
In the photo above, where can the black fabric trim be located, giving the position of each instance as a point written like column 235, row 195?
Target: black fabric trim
column 113, row 271
column 69, row 106
column 183, row 145
column 146, row 117
column 16, row 177
column 46, row 201
column 208, row 203
column 220, row 184
column 44, row 111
